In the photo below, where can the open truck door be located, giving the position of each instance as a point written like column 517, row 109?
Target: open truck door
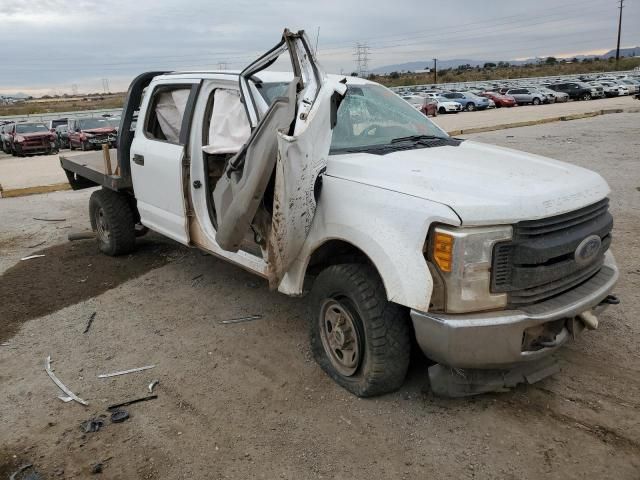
column 270, row 186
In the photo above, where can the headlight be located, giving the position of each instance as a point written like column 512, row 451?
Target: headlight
column 19, row 139
column 462, row 257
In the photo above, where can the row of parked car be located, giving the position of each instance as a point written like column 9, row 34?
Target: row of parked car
column 436, row 100
column 86, row 133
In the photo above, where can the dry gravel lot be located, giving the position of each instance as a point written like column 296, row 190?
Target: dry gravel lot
column 247, row 401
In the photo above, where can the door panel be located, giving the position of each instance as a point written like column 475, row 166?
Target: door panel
column 157, row 160
column 293, row 138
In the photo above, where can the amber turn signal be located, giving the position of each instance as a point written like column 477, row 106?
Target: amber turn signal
column 443, row 251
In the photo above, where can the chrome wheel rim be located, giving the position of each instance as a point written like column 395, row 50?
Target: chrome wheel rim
column 102, row 226
column 340, row 337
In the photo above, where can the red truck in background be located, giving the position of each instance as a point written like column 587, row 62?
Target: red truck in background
column 31, row 138
column 91, row 133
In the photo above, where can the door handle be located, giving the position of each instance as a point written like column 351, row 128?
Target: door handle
column 138, row 159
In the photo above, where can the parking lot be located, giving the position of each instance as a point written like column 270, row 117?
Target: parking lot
column 246, row 400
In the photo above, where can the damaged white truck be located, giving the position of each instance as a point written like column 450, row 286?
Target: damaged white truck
column 488, row 258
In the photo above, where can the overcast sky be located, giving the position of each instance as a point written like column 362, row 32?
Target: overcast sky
column 50, row 45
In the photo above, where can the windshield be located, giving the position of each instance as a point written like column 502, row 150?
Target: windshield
column 370, row 115
column 30, row 128
column 91, row 123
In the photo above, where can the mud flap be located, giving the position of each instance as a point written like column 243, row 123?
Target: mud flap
column 456, row 382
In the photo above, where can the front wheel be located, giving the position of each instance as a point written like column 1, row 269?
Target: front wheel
column 536, row 101
column 471, row 107
column 586, row 96
column 359, row 338
column 112, row 219
column 442, row 110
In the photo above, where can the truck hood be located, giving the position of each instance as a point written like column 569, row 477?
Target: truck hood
column 483, row 184
column 100, row 131
column 33, row 135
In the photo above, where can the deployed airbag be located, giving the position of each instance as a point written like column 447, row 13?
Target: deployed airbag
column 170, row 110
column 229, row 128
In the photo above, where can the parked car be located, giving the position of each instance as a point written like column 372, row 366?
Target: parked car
column 560, row 97
column 500, row 100
column 53, row 124
column 426, row 105
column 489, row 259
column 575, row 90
column 62, row 134
column 609, row 89
column 5, row 137
column 30, row 138
column 524, row 96
column 468, row 100
column 447, row 106
column 632, row 85
column 91, row 133
column 547, row 98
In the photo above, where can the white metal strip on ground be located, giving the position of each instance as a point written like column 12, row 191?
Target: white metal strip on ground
column 61, row 386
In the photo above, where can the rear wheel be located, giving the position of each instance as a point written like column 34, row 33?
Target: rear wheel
column 113, row 220
column 358, row 337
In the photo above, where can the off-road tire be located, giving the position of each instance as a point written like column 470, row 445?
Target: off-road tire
column 116, row 213
column 383, row 328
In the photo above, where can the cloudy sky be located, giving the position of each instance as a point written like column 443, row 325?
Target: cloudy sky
column 51, row 45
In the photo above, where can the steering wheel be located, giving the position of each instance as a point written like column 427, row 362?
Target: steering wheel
column 368, row 129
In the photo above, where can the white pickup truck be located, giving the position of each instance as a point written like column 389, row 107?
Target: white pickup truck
column 489, row 258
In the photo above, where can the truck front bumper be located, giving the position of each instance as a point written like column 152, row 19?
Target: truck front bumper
column 496, row 339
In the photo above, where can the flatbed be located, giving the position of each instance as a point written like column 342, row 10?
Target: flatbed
column 96, row 168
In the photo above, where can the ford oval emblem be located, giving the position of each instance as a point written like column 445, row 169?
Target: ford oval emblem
column 587, row 250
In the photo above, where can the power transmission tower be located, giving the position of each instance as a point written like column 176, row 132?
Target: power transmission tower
column 74, row 89
column 619, row 31
column 222, row 65
column 105, row 85
column 361, row 53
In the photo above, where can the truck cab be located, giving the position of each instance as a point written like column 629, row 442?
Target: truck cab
column 335, row 187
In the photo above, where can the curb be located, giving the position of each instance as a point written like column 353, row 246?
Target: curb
column 528, row 123
column 21, row 192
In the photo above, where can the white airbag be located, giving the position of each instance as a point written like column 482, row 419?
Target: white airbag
column 229, row 128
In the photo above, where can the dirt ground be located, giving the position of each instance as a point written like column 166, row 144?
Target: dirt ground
column 246, row 400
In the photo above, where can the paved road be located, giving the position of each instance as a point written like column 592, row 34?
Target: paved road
column 246, row 400
column 18, row 173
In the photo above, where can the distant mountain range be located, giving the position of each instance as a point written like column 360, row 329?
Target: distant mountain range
column 14, row 95
column 442, row 64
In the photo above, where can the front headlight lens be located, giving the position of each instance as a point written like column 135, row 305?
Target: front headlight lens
column 463, row 258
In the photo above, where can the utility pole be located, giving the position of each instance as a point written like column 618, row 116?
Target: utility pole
column 619, row 30
column 435, row 70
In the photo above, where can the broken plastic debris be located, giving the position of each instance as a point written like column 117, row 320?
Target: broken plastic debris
column 152, row 385
column 124, row 372
column 65, row 399
column 92, row 425
column 61, row 386
column 242, row 319
column 119, row 416
column 32, row 256
column 15, row 474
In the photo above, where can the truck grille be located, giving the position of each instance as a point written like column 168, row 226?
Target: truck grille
column 539, row 263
